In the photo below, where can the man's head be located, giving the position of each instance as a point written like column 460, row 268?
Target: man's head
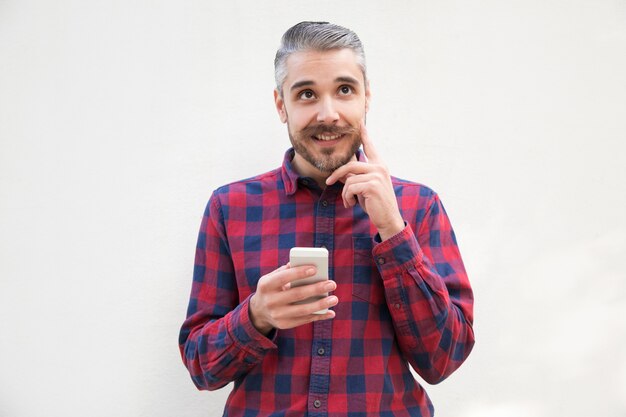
column 315, row 36
column 322, row 94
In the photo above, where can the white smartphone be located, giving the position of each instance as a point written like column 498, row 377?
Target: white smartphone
column 310, row 256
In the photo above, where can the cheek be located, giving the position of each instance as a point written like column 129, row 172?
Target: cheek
column 354, row 117
column 354, row 110
column 299, row 119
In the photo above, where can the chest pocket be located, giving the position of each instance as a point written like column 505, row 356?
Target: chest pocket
column 367, row 284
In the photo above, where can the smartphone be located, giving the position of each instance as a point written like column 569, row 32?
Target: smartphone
column 310, row 256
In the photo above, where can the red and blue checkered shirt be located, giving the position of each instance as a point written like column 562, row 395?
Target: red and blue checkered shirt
column 403, row 301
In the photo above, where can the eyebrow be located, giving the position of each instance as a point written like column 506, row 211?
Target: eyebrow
column 348, row 80
column 299, row 84
column 307, row 83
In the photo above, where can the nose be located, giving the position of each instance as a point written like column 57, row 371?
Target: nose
column 327, row 113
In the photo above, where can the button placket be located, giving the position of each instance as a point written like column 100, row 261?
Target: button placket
column 319, row 380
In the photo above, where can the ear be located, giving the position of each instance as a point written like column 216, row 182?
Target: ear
column 280, row 106
column 368, row 96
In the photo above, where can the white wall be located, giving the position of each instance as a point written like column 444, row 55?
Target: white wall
column 117, row 120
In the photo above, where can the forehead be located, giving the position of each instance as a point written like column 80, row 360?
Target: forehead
column 322, row 66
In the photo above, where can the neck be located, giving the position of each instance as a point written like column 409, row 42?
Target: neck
column 306, row 169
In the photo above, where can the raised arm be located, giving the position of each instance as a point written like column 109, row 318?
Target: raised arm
column 428, row 294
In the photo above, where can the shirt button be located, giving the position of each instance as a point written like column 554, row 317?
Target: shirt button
column 321, row 351
column 381, row 260
column 397, row 306
column 317, row 403
column 324, row 203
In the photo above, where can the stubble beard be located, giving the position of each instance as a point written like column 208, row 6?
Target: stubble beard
column 326, row 163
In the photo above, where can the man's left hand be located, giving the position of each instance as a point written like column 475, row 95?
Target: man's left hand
column 369, row 183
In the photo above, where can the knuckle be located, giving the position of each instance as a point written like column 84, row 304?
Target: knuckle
column 261, row 288
column 274, row 316
column 303, row 271
column 298, row 293
column 269, row 305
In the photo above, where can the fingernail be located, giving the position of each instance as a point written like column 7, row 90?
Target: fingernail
column 332, row 300
column 329, row 286
column 310, row 271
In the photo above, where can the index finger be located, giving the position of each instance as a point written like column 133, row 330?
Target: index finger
column 368, row 147
column 284, row 277
column 346, row 171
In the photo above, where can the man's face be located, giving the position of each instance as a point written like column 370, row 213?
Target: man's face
column 324, row 100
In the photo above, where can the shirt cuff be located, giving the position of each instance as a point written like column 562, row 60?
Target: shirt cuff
column 244, row 333
column 399, row 252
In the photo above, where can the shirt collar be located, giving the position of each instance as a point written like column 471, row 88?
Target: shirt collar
column 291, row 177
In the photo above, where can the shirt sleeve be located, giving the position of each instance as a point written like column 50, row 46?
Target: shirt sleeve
column 218, row 342
column 428, row 294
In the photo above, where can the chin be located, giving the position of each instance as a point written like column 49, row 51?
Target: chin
column 327, row 163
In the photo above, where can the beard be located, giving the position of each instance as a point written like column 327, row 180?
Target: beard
column 325, row 162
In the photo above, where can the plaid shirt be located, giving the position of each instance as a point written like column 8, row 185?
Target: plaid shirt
column 403, row 301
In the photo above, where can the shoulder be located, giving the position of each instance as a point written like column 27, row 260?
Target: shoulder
column 253, row 185
column 248, row 192
column 238, row 195
column 405, row 188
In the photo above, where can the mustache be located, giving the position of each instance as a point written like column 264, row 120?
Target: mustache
column 316, row 130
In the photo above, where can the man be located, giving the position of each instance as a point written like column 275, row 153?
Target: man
column 397, row 295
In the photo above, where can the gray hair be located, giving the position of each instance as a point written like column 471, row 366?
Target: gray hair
column 317, row 36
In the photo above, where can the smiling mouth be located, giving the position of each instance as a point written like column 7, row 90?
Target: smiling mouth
column 325, row 137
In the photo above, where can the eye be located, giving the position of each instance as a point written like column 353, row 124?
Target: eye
column 344, row 90
column 306, row 95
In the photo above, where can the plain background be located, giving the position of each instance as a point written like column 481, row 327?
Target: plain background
column 118, row 119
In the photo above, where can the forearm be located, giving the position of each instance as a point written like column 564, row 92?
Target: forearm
column 217, row 351
column 434, row 329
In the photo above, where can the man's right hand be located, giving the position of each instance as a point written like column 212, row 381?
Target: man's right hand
column 272, row 305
